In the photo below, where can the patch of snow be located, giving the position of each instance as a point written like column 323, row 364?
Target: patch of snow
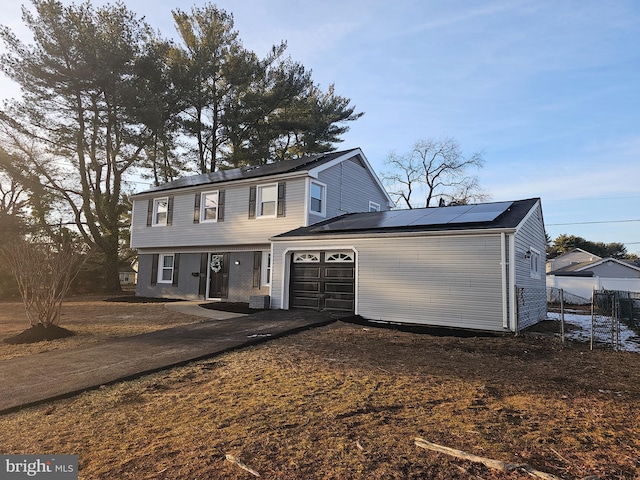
column 629, row 340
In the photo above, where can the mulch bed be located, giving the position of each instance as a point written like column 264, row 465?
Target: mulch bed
column 136, row 299
column 39, row 333
column 233, row 307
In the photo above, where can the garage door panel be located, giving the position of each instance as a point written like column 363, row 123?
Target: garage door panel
column 309, row 287
column 339, row 272
column 333, row 287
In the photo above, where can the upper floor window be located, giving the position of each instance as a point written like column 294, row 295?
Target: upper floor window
column 160, row 211
column 209, row 207
column 374, row 207
column 317, row 199
column 267, row 200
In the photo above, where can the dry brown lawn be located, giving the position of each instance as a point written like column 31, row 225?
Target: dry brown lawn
column 345, row 401
column 92, row 319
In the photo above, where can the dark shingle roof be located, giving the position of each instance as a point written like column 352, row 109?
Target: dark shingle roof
column 452, row 218
column 243, row 173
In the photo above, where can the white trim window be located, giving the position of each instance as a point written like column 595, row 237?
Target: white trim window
column 267, row 200
column 209, row 207
column 374, row 207
column 266, row 269
column 160, row 211
column 166, row 264
column 534, row 263
column 317, row 198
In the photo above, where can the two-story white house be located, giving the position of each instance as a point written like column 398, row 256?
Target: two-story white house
column 208, row 236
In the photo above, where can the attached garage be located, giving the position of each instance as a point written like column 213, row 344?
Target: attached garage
column 323, row 280
column 473, row 266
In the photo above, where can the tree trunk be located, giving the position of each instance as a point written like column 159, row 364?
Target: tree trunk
column 111, row 274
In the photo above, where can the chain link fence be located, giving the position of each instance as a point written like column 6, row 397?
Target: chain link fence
column 608, row 309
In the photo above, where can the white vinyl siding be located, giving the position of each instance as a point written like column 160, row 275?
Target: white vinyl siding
column 349, row 189
column 452, row 280
column 237, row 228
column 531, row 292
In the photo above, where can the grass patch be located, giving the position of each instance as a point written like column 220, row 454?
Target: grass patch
column 346, row 401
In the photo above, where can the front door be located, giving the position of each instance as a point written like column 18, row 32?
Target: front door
column 218, row 275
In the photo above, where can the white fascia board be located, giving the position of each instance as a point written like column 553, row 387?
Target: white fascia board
column 390, row 234
column 221, row 185
column 313, row 172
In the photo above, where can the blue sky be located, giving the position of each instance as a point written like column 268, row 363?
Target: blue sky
column 548, row 90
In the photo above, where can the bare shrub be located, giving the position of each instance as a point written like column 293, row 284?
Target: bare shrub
column 44, row 272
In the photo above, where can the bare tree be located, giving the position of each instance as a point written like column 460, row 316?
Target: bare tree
column 434, row 169
column 44, row 272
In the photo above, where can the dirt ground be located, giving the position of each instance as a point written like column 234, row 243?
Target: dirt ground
column 346, row 401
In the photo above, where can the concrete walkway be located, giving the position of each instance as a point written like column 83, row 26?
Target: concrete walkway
column 34, row 379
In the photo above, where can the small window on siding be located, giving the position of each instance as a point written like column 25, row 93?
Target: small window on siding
column 306, row 257
column 209, row 207
column 165, row 268
column 317, row 199
column 374, row 207
column 160, row 211
column 534, row 263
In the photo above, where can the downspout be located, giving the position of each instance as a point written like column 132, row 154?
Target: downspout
column 512, row 285
column 504, row 265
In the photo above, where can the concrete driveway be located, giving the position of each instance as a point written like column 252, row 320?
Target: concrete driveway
column 34, row 379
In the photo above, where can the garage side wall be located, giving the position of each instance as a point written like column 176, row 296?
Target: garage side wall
column 531, row 288
column 453, row 281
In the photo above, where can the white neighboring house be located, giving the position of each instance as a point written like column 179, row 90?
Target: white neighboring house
column 574, row 257
column 467, row 266
column 593, row 273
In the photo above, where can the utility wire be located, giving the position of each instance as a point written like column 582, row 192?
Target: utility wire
column 592, row 223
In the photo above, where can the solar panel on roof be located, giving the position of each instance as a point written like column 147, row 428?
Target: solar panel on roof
column 483, row 213
column 419, row 217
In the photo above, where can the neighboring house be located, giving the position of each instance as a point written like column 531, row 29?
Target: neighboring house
column 127, row 274
column 207, row 236
column 594, row 273
column 574, row 257
column 468, row 266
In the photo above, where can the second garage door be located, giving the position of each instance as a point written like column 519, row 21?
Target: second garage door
column 323, row 281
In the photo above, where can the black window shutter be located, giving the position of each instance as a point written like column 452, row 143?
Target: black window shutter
column 170, row 211
column 196, row 208
column 176, row 269
column 257, row 265
column 221, row 206
column 225, row 275
column 252, row 202
column 149, row 212
column 155, row 258
column 202, row 287
column 281, row 195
